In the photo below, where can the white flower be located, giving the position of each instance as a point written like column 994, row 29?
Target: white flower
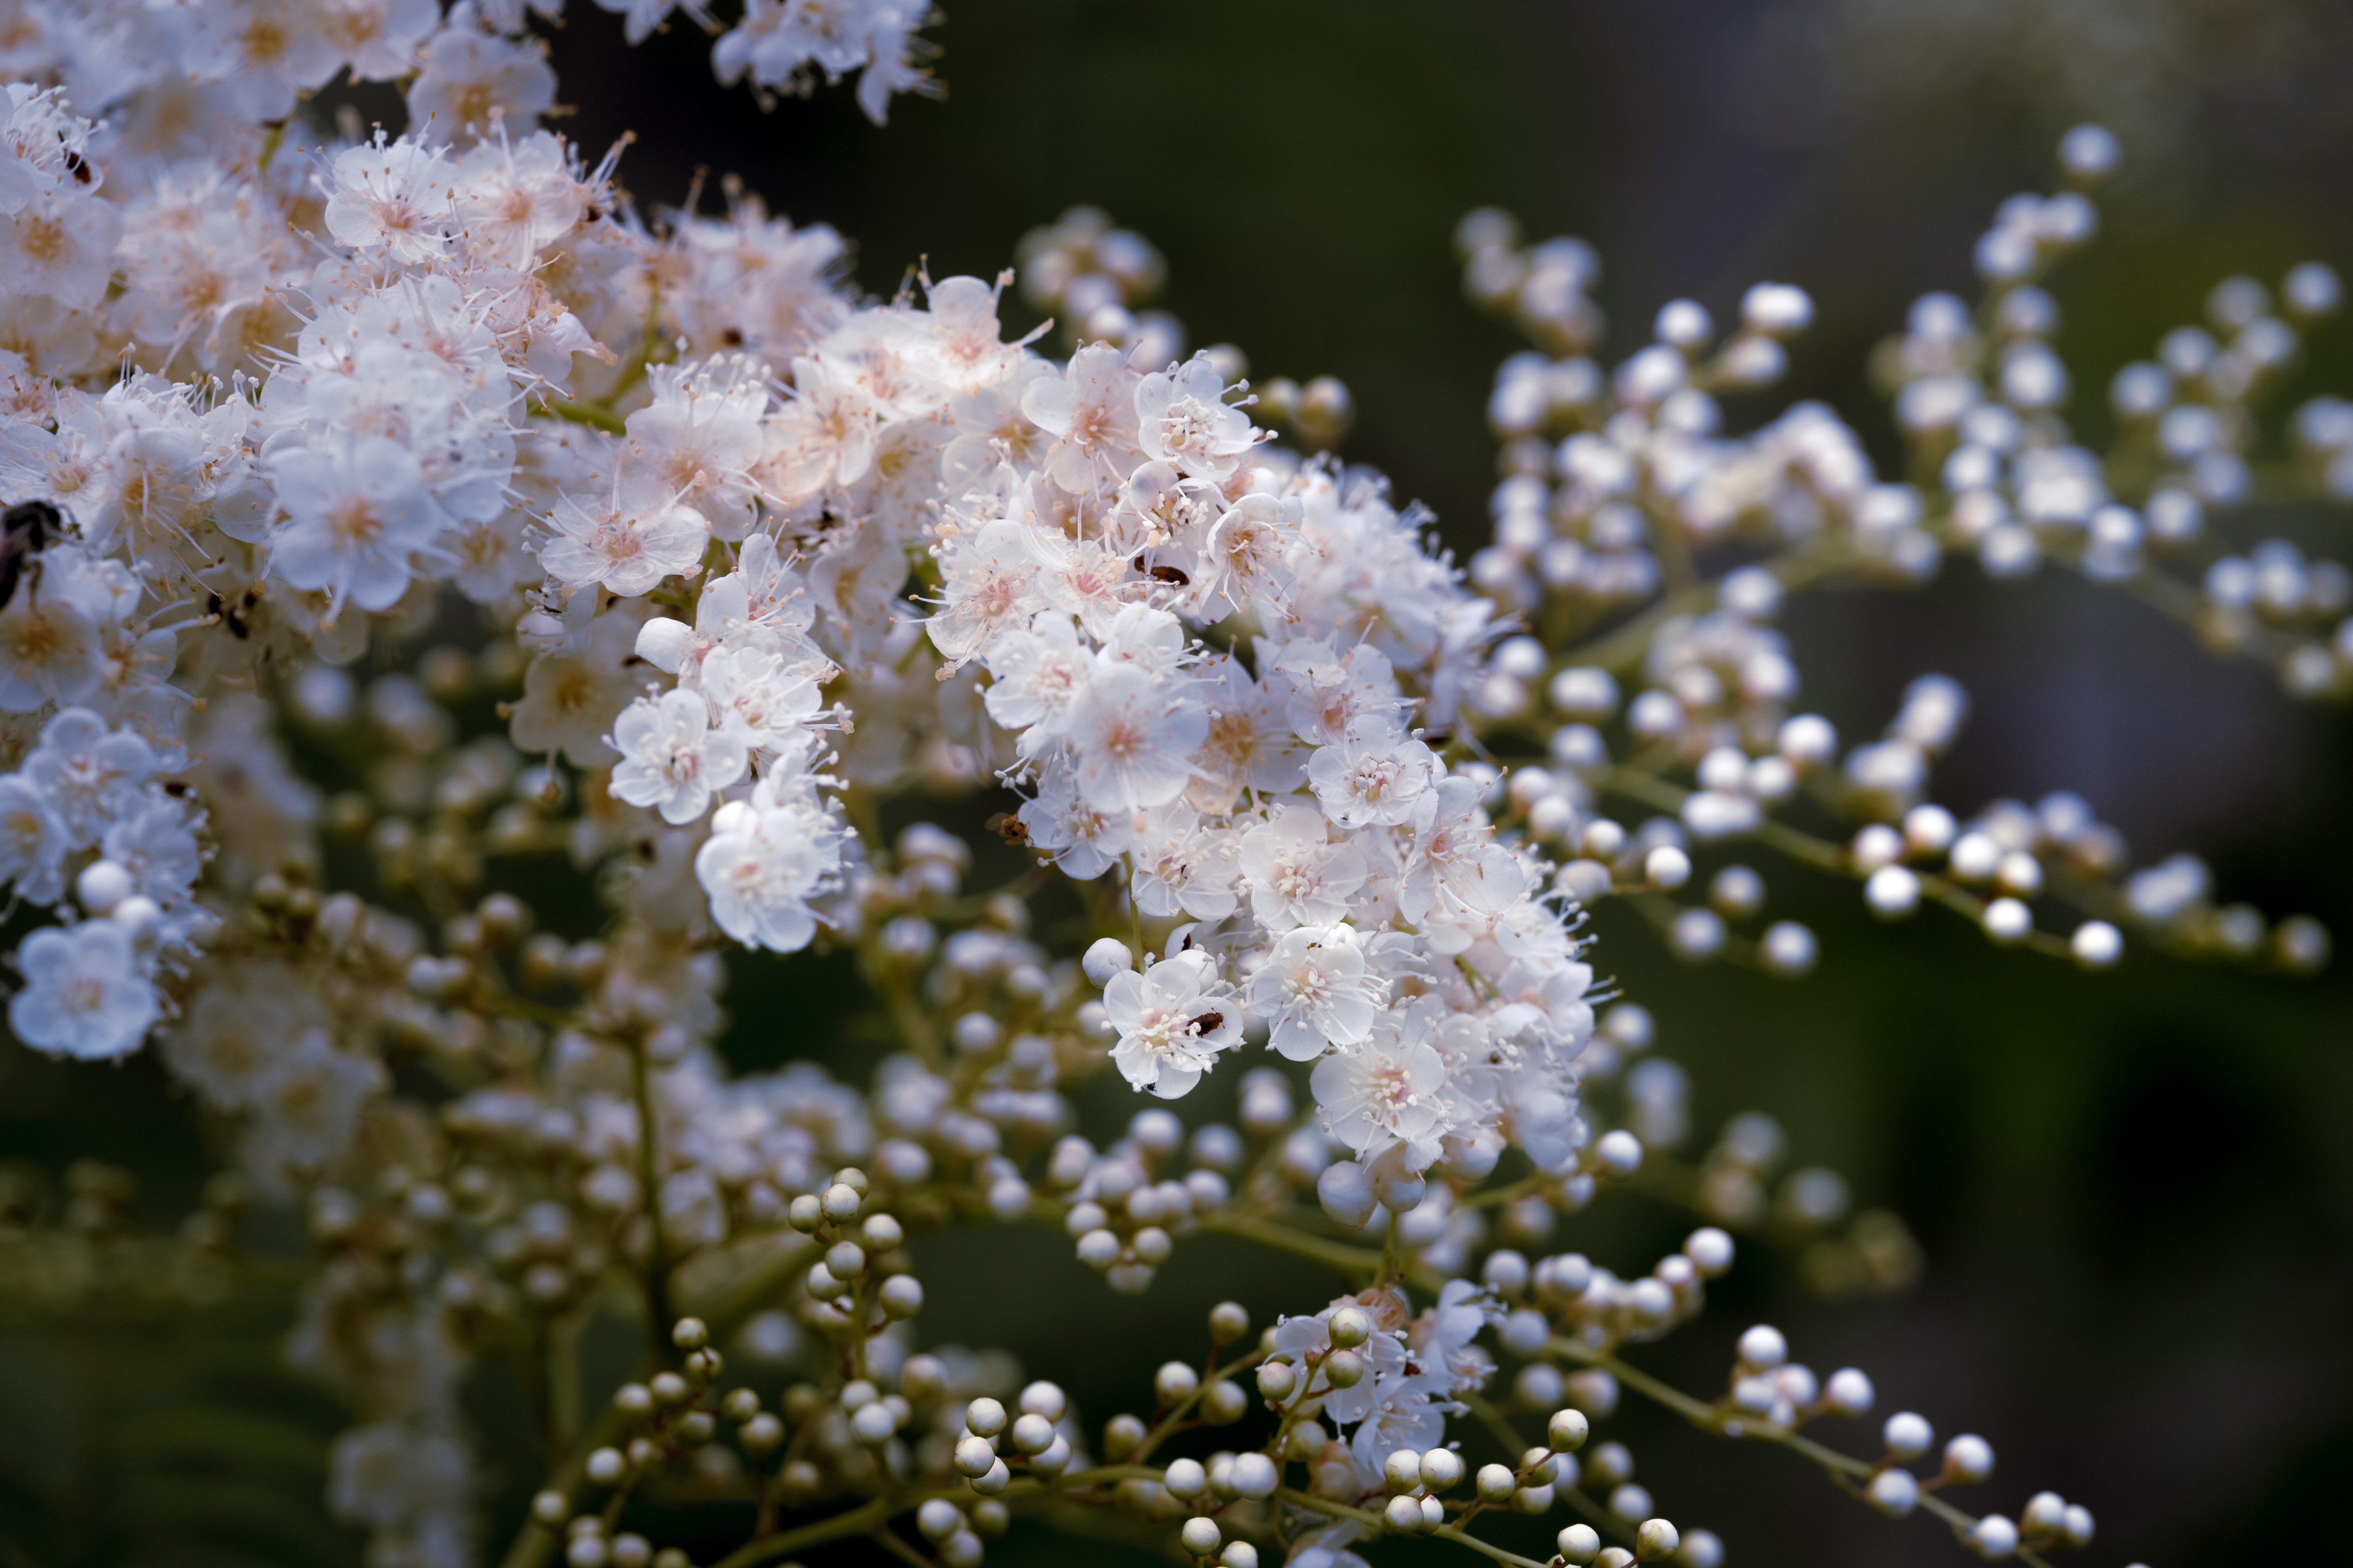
column 1085, row 841
column 1295, row 874
column 308, row 1105
column 1034, row 675
column 628, row 541
column 399, row 197
column 1182, row 417
column 32, row 841
column 1091, row 407
column 1314, row 992
column 89, row 774
column 1374, row 776
column 759, row 699
column 764, row 861
column 85, row 995
column 1134, row 739
column 467, row 76
column 1173, row 1019
column 358, row 512
column 571, row 693
column 50, row 650
column 672, row 759
column 1385, row 1091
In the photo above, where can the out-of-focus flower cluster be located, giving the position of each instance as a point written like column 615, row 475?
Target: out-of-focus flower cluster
column 398, row 526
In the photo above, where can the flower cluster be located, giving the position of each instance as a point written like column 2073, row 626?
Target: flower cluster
column 398, row 524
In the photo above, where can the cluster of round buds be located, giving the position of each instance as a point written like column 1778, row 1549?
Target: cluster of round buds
column 957, row 1526
column 1531, row 1486
column 1567, row 1293
column 1125, row 1211
column 1095, row 277
column 862, row 1280
column 2274, row 603
column 1033, row 1431
column 1656, row 1541
column 1545, row 290
column 661, row 1419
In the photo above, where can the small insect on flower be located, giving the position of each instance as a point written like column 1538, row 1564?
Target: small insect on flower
column 26, row 529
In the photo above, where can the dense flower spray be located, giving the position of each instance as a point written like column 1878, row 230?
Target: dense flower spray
column 756, row 555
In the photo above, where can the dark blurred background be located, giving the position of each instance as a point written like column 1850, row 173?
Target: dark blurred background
column 2135, row 1191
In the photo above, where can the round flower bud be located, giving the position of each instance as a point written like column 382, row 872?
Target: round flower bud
column 1276, row 1381
column 1992, row 1537
column 1968, row 1460
column 102, row 885
column 1186, row 1479
column 962, row 1550
column 1763, row 1348
column 1440, row 1470
column 1907, row 1435
column 845, row 1260
column 2045, row 1514
column 1532, row 1500
column 1848, row 1393
column 550, row 1508
column 606, row 1466
column 1229, row 1321
column 903, row 1296
column 882, row 1233
column 1893, row 1493
column 1709, row 1251
column 1238, row 1554
column 1497, row 1483
column 1578, row 1544
column 973, row 1456
column 2077, row 1526
column 1223, row 1402
column 984, row 1417
column 1617, row 1154
column 761, row 1434
column 669, row 1388
column 2096, row 944
column 841, row 1202
column 874, row 1423
column 1654, row 1539
column 1106, row 957
column 1047, row 1399
column 1201, row 1535
column 1253, row 1476
column 1350, row 1326
column 1033, row 1433
column 807, row 1213
column 585, row 1552
column 1667, row 866
column 1790, row 949
column 1175, row 1383
column 1343, row 1369
column 1345, row 1191
column 938, row 1518
column 1701, row 1549
column 1892, row 892
column 1099, row 1250
column 1567, row 1430
column 1403, row 1515
column 993, row 1480
column 1401, row 1471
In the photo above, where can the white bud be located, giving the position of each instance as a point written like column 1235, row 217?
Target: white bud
column 1710, row 1250
column 1201, row 1535
column 1667, row 866
column 1105, row 957
column 1763, row 1348
column 1579, row 1544
column 1968, row 1460
column 1848, row 1393
column 1907, row 1435
column 1893, row 1493
column 1253, row 1476
column 1993, row 1537
column 984, row 1417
